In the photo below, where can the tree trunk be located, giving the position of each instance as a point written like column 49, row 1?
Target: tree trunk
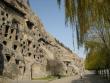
column 106, row 76
column 96, row 72
column 109, row 74
column 102, row 73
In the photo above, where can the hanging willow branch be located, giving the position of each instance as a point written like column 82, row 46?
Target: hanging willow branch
column 59, row 3
column 88, row 13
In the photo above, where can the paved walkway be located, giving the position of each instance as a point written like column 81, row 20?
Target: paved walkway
column 30, row 81
column 24, row 81
column 89, row 78
column 65, row 80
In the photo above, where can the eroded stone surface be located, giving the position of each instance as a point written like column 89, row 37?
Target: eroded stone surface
column 28, row 50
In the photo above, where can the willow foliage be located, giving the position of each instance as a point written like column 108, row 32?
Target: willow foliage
column 96, row 57
column 86, row 13
column 98, row 45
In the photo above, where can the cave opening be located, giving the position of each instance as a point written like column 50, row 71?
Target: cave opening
column 1, row 26
column 12, row 30
column 3, row 19
column 38, row 57
column 34, row 46
column 39, row 35
column 2, row 13
column 16, row 37
column 17, row 62
column 15, row 47
column 6, row 35
column 4, row 42
column 10, row 37
column 29, row 24
column 29, row 42
column 21, row 45
column 66, row 71
column 7, row 28
column 39, row 44
column 34, row 56
column 43, row 43
column 8, row 58
column 24, row 47
column 3, row 23
column 23, row 42
column 7, row 14
column 29, row 54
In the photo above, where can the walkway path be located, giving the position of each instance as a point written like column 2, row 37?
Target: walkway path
column 89, row 78
column 65, row 80
column 24, row 81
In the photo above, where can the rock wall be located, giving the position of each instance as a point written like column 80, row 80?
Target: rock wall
column 27, row 51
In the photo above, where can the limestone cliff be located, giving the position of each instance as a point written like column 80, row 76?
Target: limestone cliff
column 26, row 50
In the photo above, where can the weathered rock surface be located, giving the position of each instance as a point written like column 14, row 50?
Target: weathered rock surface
column 28, row 50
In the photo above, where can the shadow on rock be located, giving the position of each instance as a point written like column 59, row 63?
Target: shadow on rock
column 1, row 60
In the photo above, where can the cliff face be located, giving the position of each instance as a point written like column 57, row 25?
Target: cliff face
column 26, row 50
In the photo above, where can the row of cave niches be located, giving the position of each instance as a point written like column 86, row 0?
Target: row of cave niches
column 3, row 15
column 7, row 27
column 10, row 29
column 25, row 46
column 28, row 49
column 38, row 55
column 10, row 32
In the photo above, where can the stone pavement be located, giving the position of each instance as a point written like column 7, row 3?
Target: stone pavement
column 91, row 78
column 88, row 78
column 24, row 81
column 65, row 80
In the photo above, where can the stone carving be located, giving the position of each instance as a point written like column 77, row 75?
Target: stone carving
column 26, row 50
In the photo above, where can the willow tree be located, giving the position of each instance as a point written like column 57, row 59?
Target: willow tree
column 88, row 14
column 85, row 14
column 98, row 44
column 96, row 57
